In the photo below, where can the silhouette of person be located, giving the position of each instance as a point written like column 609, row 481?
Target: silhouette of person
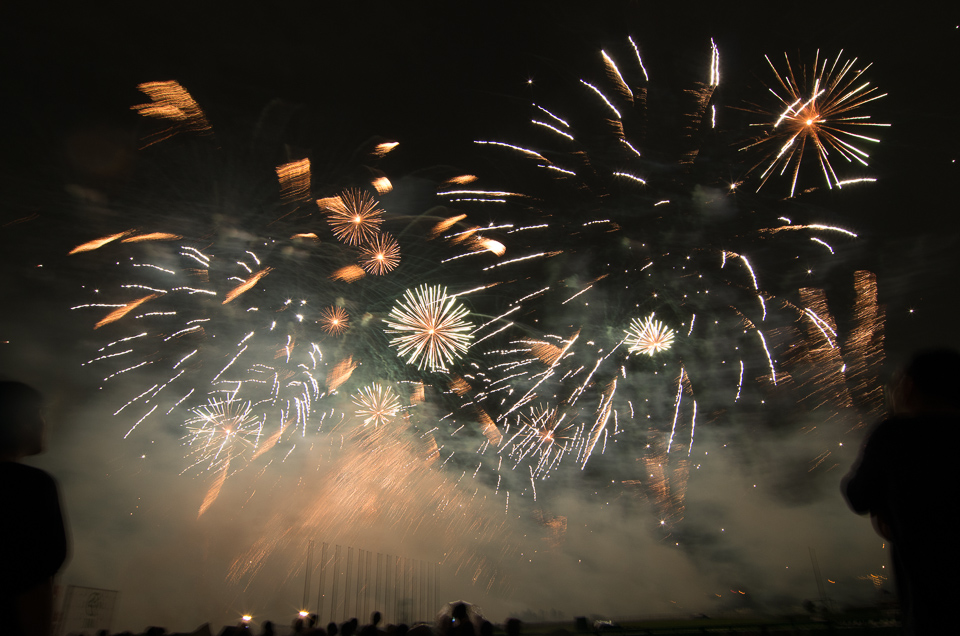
column 905, row 477
column 33, row 541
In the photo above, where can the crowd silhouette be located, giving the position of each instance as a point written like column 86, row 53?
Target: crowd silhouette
column 462, row 619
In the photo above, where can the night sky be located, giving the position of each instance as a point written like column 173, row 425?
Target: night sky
column 435, row 77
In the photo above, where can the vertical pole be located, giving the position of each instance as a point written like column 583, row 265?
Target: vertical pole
column 346, row 588
column 306, row 578
column 376, row 593
column 336, row 582
column 323, row 569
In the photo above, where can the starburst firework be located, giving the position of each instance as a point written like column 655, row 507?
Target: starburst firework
column 816, row 110
column 221, row 431
column 381, row 255
column 431, row 327
column 353, row 216
column 334, row 320
column 376, row 404
column 648, row 336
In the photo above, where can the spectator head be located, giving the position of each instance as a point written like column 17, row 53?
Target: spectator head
column 930, row 381
column 21, row 421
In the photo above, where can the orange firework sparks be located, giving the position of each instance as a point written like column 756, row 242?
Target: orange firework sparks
column 214, row 491
column 382, row 185
column 246, row 285
column 340, row 373
column 381, row 255
column 462, row 179
column 484, row 244
column 120, row 312
column 306, row 235
column 816, row 110
column 152, row 236
column 384, row 148
column 458, row 385
column 353, row 216
column 294, row 180
column 348, row 273
column 334, row 320
column 445, row 225
column 98, row 243
column 172, row 102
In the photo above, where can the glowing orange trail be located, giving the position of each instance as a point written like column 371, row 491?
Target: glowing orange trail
column 120, row 312
column 246, row 285
column 98, row 243
column 214, row 490
column 152, row 236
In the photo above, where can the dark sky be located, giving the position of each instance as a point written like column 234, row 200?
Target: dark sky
column 435, row 76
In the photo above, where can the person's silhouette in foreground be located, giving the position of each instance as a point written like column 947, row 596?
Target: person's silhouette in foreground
column 906, row 478
column 33, row 542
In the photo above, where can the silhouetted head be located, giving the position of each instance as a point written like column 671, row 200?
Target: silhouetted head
column 21, row 421
column 930, row 381
column 513, row 626
column 375, row 619
column 332, row 629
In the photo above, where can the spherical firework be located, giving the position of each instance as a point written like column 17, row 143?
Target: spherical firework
column 353, row 216
column 381, row 255
column 817, row 110
column 648, row 336
column 334, row 320
column 433, row 332
column 376, row 404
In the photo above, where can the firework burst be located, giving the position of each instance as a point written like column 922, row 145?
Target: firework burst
column 376, row 404
column 381, row 255
column 353, row 216
column 818, row 110
column 221, row 431
column 648, row 336
column 433, row 332
column 334, row 320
